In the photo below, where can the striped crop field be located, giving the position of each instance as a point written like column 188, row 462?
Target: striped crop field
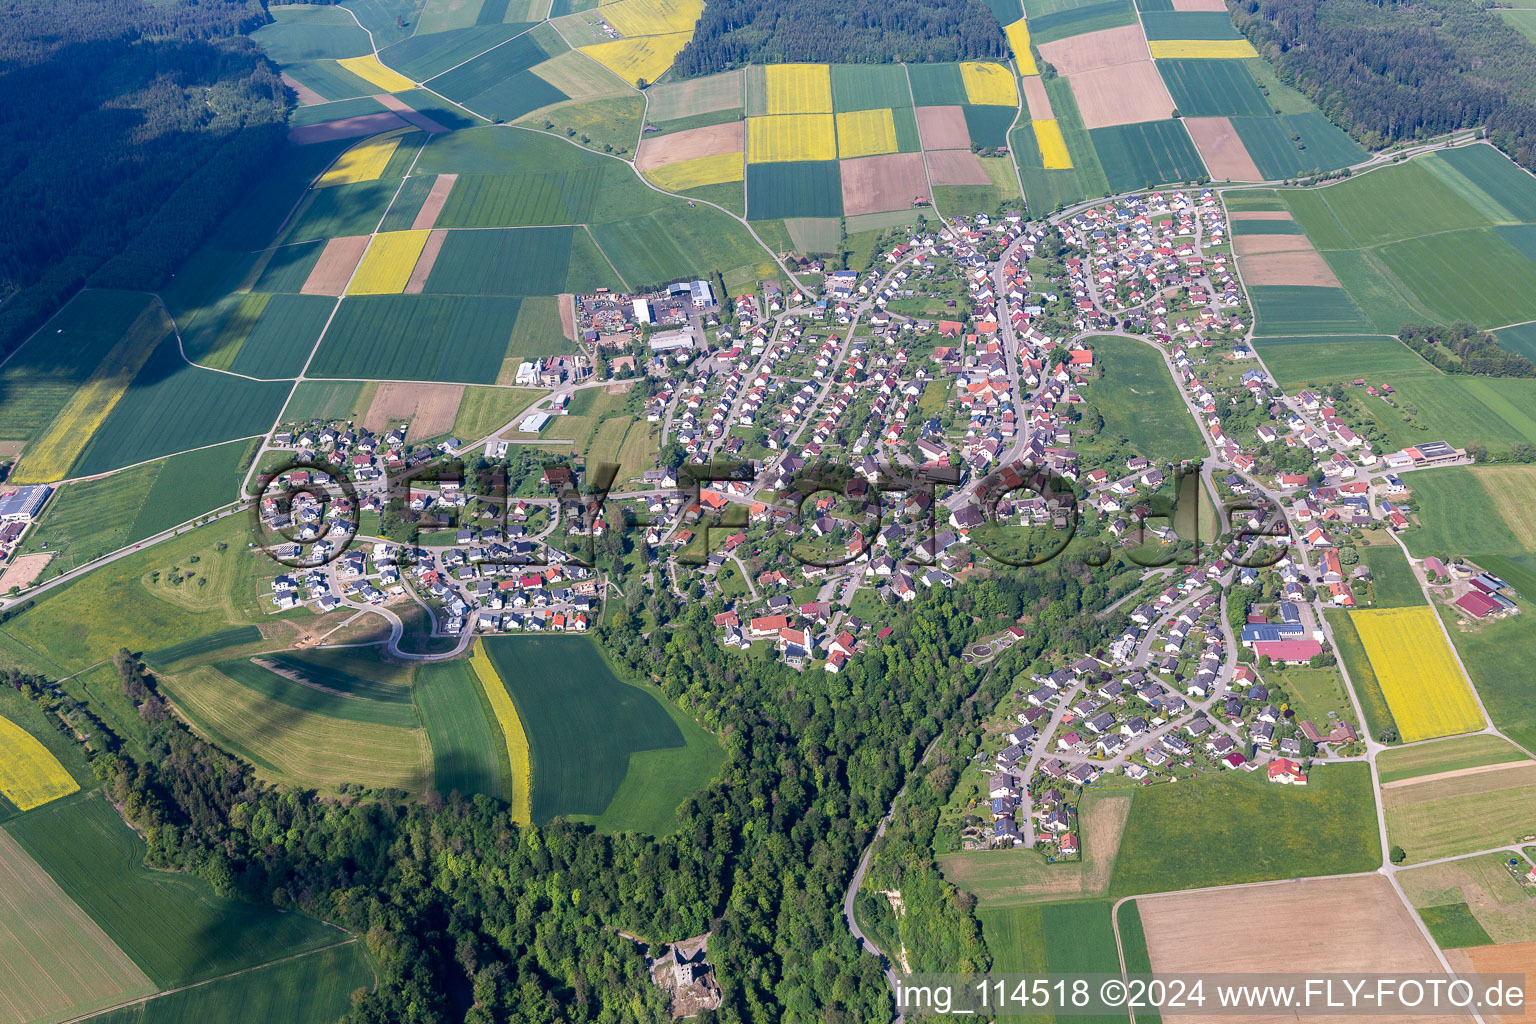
column 30, row 776
column 1424, row 686
column 866, row 133
column 1018, row 40
column 788, row 138
column 1053, row 148
column 1202, row 49
column 363, row 162
column 704, row 170
column 799, row 89
column 371, row 71
column 387, row 265
column 518, row 752
column 645, row 58
column 652, row 17
column 989, row 85
column 51, row 455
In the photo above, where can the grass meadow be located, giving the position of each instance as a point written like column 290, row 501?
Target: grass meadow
column 1445, row 756
column 1495, row 654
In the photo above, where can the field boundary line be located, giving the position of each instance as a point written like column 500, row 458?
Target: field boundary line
column 477, row 56
column 182, row 348
column 606, row 258
column 351, row 941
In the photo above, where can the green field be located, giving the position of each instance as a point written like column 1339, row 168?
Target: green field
column 1152, row 153
column 1318, row 145
column 934, row 85
column 1362, row 678
column 1090, row 17
column 807, row 188
column 418, row 337
column 1248, row 830
column 314, row 988
column 1459, row 511
column 483, row 410
column 603, row 751
column 1188, row 25
column 1444, row 756
column 172, row 407
column 1474, row 275
column 867, row 87
column 46, row 372
column 88, row 519
column 469, row 754
column 1050, row 189
column 311, row 33
column 1139, row 401
column 498, row 84
column 344, row 696
column 1213, row 88
column 328, row 400
column 1494, row 655
column 351, row 209
column 426, row 55
column 1392, row 580
column 1453, row 926
column 524, row 261
column 172, row 925
column 288, row 267
column 1433, row 817
column 1306, row 310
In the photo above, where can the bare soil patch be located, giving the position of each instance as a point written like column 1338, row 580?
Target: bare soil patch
column 11, row 449
column 346, row 128
column 1509, row 958
column 22, row 571
column 1121, row 94
column 1200, row 5
column 1102, row 49
column 426, row 261
column 1367, row 930
column 943, row 128
column 430, row 408
column 334, row 268
column 1298, row 268
column 426, row 217
column 872, row 184
column 307, row 96
column 411, row 114
column 956, row 167
column 567, row 303
column 1036, row 99
column 1219, row 144
column 711, row 140
column 1252, row 245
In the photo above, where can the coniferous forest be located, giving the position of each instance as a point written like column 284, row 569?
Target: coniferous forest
column 1388, row 71
column 113, row 109
column 732, row 33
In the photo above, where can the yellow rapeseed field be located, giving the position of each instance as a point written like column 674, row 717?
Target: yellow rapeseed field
column 866, row 133
column 30, row 776
column 1053, row 148
column 49, row 457
column 518, row 754
column 703, row 170
column 784, row 137
column 371, row 71
column 653, row 17
column 645, row 58
column 1418, row 673
column 1202, row 49
column 364, row 161
column 1018, row 40
column 386, row 266
column 989, row 85
column 799, row 89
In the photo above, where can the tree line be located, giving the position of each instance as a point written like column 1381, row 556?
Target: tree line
column 131, row 127
column 1463, row 348
column 1389, row 71
column 734, row 33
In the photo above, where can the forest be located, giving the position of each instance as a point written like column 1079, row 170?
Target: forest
column 113, row 109
column 1388, row 71
column 1463, row 348
column 473, row 917
column 733, row 33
